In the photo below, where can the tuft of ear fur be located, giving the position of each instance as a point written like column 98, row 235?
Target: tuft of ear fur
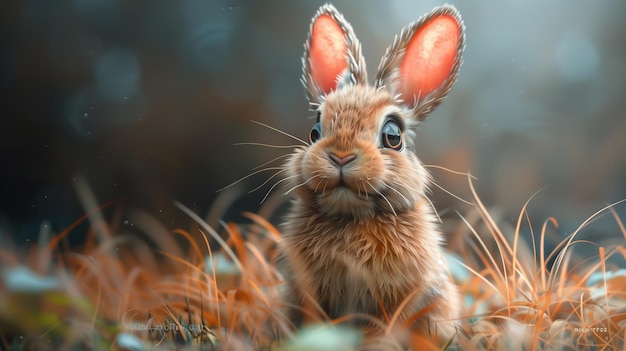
column 332, row 55
column 422, row 64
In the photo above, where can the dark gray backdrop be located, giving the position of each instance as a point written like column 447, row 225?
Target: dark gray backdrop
column 144, row 99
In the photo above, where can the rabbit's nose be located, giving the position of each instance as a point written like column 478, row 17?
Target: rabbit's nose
column 341, row 158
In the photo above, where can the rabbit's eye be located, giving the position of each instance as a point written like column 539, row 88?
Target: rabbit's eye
column 315, row 133
column 392, row 136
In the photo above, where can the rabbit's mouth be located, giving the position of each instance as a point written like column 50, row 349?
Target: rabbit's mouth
column 357, row 194
column 345, row 192
column 346, row 182
column 341, row 188
column 356, row 190
column 342, row 200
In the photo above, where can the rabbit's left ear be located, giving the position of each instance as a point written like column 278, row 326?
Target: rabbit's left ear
column 422, row 64
column 332, row 55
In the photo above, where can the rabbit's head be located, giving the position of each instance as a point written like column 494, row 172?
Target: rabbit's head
column 361, row 159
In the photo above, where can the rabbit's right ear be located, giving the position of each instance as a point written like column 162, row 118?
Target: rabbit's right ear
column 423, row 62
column 332, row 55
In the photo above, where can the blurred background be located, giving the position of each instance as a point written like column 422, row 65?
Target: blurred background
column 145, row 99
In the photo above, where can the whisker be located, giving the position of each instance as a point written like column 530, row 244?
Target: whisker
column 358, row 188
column 451, row 194
column 250, row 175
column 325, row 185
column 272, row 160
column 317, row 172
column 275, row 185
column 281, row 132
column 268, row 180
column 451, row 171
column 318, row 184
column 268, row 145
column 384, row 198
column 432, row 205
column 398, row 192
column 297, row 186
column 430, row 202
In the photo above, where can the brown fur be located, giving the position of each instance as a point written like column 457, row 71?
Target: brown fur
column 362, row 238
column 352, row 252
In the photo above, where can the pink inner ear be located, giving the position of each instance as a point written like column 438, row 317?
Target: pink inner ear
column 429, row 57
column 327, row 53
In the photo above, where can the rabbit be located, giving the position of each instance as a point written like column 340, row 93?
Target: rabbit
column 360, row 237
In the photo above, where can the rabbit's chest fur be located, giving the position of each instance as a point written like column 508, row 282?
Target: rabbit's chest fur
column 351, row 266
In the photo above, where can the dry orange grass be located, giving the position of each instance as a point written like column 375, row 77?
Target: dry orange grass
column 222, row 291
column 531, row 307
